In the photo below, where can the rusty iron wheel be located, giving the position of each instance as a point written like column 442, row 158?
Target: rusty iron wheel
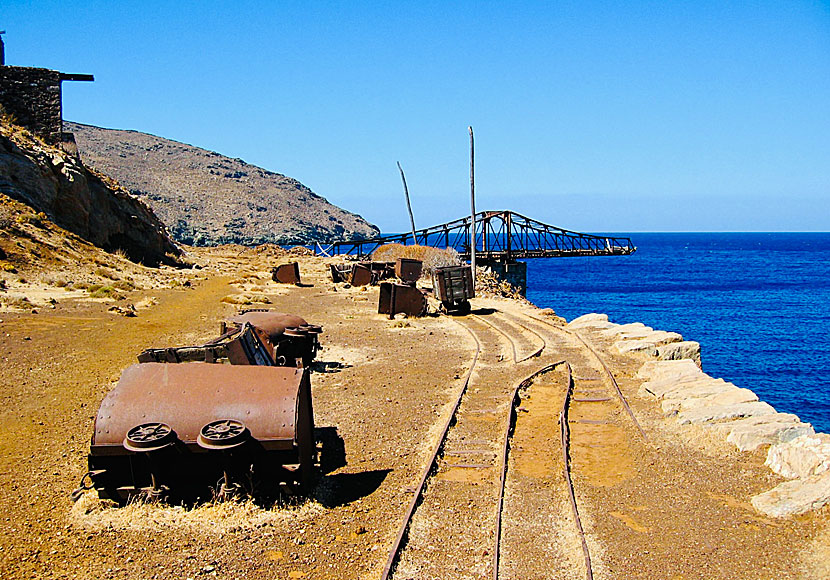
column 223, row 434
column 149, row 437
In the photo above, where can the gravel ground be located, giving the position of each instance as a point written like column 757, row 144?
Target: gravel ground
column 665, row 508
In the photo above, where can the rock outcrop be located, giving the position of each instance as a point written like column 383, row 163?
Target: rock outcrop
column 207, row 199
column 79, row 200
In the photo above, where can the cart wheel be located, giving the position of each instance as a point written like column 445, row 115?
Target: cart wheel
column 463, row 307
column 223, row 434
column 149, row 437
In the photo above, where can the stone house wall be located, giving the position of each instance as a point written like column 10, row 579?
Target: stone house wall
column 33, row 97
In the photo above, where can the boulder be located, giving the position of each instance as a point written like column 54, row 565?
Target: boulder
column 753, row 432
column 800, row 457
column 592, row 320
column 648, row 343
column 636, row 347
column 687, row 349
column 795, row 497
column 630, row 330
column 660, row 369
column 714, row 397
column 721, row 412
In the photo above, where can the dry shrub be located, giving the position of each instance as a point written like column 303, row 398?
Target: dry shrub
column 35, row 219
column 246, row 299
column 216, row 519
column 489, row 285
column 105, row 292
column 104, row 273
column 301, row 251
column 431, row 258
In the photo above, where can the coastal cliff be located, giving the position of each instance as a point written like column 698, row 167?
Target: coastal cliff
column 78, row 199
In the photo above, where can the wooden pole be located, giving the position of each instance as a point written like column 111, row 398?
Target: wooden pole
column 472, row 207
column 408, row 205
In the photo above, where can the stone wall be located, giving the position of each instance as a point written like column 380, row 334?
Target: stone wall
column 33, row 97
column 514, row 272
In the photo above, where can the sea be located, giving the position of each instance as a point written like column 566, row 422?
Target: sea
column 758, row 304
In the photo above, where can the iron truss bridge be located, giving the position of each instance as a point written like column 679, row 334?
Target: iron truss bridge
column 501, row 236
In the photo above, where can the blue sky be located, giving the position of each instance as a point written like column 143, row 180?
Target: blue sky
column 594, row 116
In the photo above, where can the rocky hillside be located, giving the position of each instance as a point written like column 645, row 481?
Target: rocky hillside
column 59, row 188
column 205, row 198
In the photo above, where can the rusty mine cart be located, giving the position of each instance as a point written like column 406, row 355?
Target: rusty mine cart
column 453, row 287
column 230, row 417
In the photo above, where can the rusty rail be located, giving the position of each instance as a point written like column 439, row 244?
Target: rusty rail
column 508, row 432
column 612, row 379
column 400, row 539
column 516, row 359
column 564, row 433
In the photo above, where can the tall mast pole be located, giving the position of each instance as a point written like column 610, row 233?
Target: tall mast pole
column 472, row 207
column 408, row 205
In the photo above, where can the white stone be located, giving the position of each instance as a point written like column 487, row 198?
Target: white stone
column 795, row 497
column 648, row 343
column 659, row 369
column 801, row 457
column 721, row 412
column 669, row 386
column 750, row 437
column 715, row 397
column 630, row 330
column 592, row 320
column 688, row 349
column 636, row 346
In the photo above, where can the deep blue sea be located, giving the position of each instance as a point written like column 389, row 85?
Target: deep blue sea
column 758, row 304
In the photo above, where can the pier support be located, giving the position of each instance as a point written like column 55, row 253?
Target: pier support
column 514, row 273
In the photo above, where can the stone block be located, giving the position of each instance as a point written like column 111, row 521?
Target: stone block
column 688, row 349
column 794, row 497
column 722, row 412
column 801, row 457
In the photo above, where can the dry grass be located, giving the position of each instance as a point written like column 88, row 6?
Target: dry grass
column 431, row 258
column 245, row 299
column 93, row 514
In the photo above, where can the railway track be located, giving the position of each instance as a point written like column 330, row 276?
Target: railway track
column 501, row 468
column 530, row 350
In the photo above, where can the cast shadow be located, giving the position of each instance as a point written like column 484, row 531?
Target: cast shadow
column 320, row 366
column 342, row 488
column 345, row 488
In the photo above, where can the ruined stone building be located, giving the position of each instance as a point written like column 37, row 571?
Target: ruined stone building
column 32, row 96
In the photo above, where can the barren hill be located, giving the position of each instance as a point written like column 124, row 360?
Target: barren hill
column 205, row 198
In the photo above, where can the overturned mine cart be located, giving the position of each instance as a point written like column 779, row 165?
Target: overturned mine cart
column 230, row 417
column 252, row 337
column 191, row 432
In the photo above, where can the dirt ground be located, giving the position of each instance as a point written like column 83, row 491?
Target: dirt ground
column 381, row 390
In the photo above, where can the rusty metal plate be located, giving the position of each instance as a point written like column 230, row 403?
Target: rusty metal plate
column 401, row 299
column 287, row 273
column 340, row 272
column 408, row 270
column 270, row 322
column 188, row 396
column 361, row 275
